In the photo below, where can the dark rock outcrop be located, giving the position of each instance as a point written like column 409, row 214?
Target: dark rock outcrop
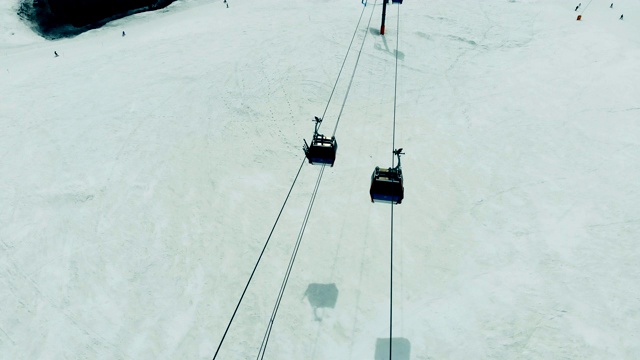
column 63, row 18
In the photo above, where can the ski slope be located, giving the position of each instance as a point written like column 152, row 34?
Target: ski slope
column 141, row 175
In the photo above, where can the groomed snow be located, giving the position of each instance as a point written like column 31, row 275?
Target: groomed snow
column 141, row 175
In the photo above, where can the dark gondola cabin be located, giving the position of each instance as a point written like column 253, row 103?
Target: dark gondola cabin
column 386, row 184
column 322, row 150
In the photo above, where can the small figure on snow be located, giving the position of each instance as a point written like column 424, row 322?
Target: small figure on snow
column 621, row 16
column 227, row 5
column 55, row 54
column 611, row 6
column 364, row 2
column 124, row 34
column 577, row 8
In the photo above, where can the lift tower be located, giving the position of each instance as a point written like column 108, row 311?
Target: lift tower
column 384, row 15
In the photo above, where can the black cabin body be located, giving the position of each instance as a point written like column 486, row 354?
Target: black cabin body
column 322, row 150
column 387, row 186
column 386, row 183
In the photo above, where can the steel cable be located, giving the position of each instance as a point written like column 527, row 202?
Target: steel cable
column 280, row 213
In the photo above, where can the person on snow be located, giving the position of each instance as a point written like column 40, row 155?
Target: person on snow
column 621, row 16
column 55, row 53
column 611, row 6
column 123, row 34
column 577, row 8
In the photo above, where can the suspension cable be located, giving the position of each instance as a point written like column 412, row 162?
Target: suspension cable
column 265, row 339
column 285, row 201
column 258, row 261
column 395, row 90
column 354, row 69
column 285, row 280
column 585, row 8
column 395, row 95
column 343, row 62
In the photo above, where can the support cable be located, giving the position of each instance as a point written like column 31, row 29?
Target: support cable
column 343, row 62
column 265, row 339
column 395, row 95
column 286, row 199
column 585, row 7
column 258, row 261
column 354, row 70
column 391, row 291
column 395, row 90
column 285, row 280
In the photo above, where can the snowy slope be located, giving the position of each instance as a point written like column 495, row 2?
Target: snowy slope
column 141, row 175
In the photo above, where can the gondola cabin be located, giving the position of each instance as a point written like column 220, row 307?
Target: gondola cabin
column 386, row 183
column 322, row 150
column 387, row 186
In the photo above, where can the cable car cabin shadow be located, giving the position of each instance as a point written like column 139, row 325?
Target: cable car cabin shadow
column 322, row 150
column 321, row 296
column 386, row 184
column 400, row 349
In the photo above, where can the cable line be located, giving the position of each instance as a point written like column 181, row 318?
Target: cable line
column 354, row 69
column 585, row 7
column 343, row 62
column 395, row 89
column 267, row 335
column 395, row 95
column 265, row 339
column 258, row 261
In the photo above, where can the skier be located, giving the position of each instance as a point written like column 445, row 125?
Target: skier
column 577, row 8
column 123, row 34
column 621, row 16
column 55, row 53
column 611, row 6
column 364, row 2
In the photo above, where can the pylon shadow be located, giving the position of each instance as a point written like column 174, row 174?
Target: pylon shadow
column 376, row 32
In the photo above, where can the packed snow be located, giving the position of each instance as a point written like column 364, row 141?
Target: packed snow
column 141, row 175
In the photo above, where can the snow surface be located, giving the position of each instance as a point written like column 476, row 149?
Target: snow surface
column 141, row 175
